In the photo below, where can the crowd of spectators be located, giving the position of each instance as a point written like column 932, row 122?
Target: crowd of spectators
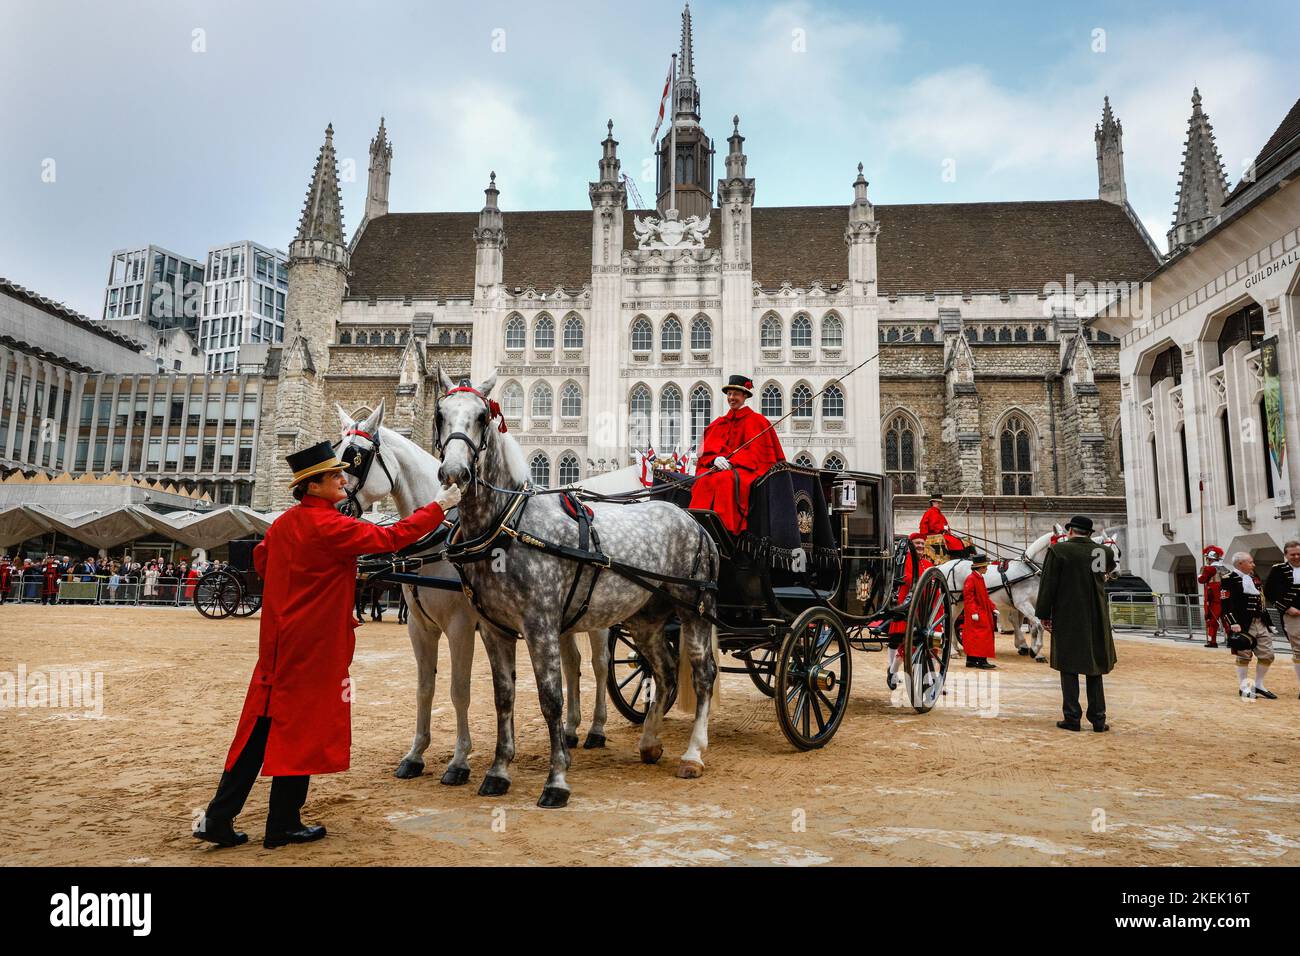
column 121, row 580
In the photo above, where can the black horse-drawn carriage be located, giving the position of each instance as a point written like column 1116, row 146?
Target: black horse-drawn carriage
column 235, row 589
column 815, row 574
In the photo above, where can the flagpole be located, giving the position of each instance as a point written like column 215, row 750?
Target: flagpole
column 672, row 159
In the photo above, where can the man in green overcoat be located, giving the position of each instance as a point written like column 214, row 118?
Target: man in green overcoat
column 1073, row 606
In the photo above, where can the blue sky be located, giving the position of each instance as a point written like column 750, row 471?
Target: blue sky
column 153, row 140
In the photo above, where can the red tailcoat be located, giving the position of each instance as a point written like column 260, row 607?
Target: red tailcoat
column 910, row 576
column 191, row 582
column 1213, row 599
column 977, row 610
column 4, row 577
column 51, row 575
column 727, row 492
column 308, row 562
column 934, row 522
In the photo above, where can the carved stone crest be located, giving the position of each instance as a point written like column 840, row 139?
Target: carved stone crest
column 670, row 232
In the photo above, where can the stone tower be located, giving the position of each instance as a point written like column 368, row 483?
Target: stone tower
column 381, row 164
column 608, row 206
column 694, row 176
column 863, row 322
column 1202, row 184
column 295, row 415
column 1109, row 136
column 489, row 266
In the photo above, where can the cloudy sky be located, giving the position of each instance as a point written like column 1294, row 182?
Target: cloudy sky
column 189, row 123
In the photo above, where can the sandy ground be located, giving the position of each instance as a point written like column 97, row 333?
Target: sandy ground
column 1188, row 775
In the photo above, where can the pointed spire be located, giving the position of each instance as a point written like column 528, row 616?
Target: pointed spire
column 381, row 160
column 686, row 62
column 861, row 210
column 1202, row 184
column 1109, row 137
column 322, row 213
column 609, row 162
column 735, row 152
column 687, row 95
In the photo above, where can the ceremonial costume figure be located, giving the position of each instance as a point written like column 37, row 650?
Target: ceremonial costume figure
column 50, row 581
column 912, row 571
column 978, row 617
column 1209, row 577
column 738, row 448
column 1249, row 634
column 1283, row 591
column 296, row 719
column 5, row 575
column 935, row 524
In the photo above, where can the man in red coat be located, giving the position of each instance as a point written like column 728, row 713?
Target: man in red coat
column 934, row 522
column 912, row 571
column 296, row 719
column 726, row 470
column 1213, row 593
column 977, row 614
column 5, row 574
column 50, row 576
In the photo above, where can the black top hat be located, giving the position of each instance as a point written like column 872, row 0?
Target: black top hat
column 1080, row 522
column 740, row 383
column 936, row 496
column 313, row 461
column 979, row 558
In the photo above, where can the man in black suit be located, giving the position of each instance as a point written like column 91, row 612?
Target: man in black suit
column 1282, row 588
column 1248, row 631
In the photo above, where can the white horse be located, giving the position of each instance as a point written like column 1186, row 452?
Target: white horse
column 410, row 475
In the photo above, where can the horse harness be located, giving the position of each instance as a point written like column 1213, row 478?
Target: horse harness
column 357, row 463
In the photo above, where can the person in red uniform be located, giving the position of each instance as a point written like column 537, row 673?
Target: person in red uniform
column 296, row 719
column 933, row 522
column 50, row 576
column 977, row 614
column 912, row 571
column 5, row 574
column 1213, row 593
column 726, row 470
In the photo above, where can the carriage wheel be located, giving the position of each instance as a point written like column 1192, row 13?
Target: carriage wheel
column 814, row 670
column 250, row 598
column 630, row 680
column 760, row 665
column 927, row 647
column 217, row 594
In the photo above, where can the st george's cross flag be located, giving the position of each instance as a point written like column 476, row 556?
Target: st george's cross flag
column 663, row 100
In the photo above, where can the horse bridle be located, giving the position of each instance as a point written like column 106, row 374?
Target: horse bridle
column 357, row 463
column 491, row 412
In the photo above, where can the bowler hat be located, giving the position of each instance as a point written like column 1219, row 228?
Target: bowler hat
column 740, row 383
column 1080, row 523
column 978, row 559
column 313, row 461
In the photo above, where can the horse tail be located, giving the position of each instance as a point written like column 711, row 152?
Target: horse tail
column 706, row 559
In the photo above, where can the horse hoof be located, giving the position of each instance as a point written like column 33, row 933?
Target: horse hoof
column 594, row 742
column 1023, row 652
column 652, row 754
column 455, row 776
column 493, row 786
column 553, row 797
column 690, row 770
column 571, row 740
column 409, row 769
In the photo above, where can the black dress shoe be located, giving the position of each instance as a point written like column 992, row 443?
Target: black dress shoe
column 1266, row 694
column 1066, row 725
column 220, row 832
column 305, row 835
column 987, row 665
column 1100, row 728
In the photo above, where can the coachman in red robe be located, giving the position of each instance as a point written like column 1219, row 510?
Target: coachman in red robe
column 934, row 522
column 296, row 719
column 977, row 616
column 726, row 470
column 1209, row 577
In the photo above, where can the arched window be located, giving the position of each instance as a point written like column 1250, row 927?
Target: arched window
column 701, row 334
column 638, row 429
column 643, row 335
column 770, row 332
column 544, row 332
column 512, row 400
column 990, row 334
column 1022, row 334
column 1004, row 334
column 568, row 471
column 1040, row 333
column 801, row 332
column 516, row 335
column 803, row 460
column 573, row 332
column 900, row 454
column 374, row 337
column 771, row 402
column 833, row 462
column 539, row 469
column 542, row 401
column 972, row 335
column 801, row 401
column 390, row 338
column 832, row 332
column 832, row 402
column 345, row 338
column 570, row 400
column 670, row 336
column 701, row 412
column 927, row 334
column 1015, row 458
column 670, row 419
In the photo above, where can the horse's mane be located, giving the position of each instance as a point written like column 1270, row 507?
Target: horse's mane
column 513, row 454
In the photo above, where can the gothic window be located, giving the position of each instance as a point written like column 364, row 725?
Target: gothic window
column 544, row 333
column 570, row 400
column 639, row 406
column 803, row 460
column 568, row 471
column 539, row 469
column 515, row 334
column 375, row 338
column 1040, row 333
column 771, row 402
column 542, row 401
column 701, row 334
column 573, row 332
column 1015, row 458
column 801, row 401
column 462, row 337
column 345, row 338
column 801, row 332
column 990, row 334
column 972, row 336
column 833, row 402
column 642, row 335
column 401, row 339
column 927, row 334
column 833, row 462
column 1246, row 325
column 1022, row 334
column 1168, row 364
column 390, row 338
column 670, row 419
column 670, row 336
column 1004, row 334
column 770, row 332
column 701, row 412
column 512, row 400
column 444, row 337
column 832, row 332
column 900, row 454
column 892, row 335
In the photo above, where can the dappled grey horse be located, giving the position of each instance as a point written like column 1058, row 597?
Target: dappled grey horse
column 410, row 475
column 521, row 588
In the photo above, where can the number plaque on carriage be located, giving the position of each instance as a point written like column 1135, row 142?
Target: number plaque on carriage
column 845, row 496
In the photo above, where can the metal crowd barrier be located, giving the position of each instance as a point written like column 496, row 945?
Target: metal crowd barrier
column 167, row 592
column 1166, row 615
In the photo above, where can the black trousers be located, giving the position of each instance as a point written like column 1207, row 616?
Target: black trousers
column 1070, row 698
column 288, row 794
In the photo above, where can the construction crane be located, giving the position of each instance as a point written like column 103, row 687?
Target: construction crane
column 633, row 192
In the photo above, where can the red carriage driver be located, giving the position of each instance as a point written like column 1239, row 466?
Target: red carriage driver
column 934, row 522
column 726, row 470
column 296, row 719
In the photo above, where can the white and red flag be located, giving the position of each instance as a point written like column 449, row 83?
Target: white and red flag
column 663, row 102
column 648, row 467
